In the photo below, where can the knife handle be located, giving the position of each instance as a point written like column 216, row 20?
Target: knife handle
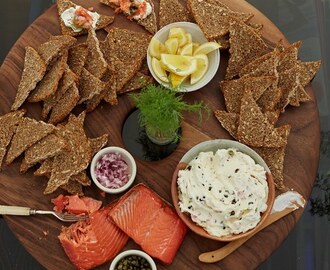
column 14, row 210
column 219, row 254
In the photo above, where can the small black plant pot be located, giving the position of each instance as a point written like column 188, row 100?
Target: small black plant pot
column 139, row 144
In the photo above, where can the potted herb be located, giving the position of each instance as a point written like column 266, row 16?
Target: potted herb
column 161, row 111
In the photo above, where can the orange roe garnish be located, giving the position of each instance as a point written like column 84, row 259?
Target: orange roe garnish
column 82, row 18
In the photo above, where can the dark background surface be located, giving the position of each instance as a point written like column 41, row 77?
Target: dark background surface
column 308, row 245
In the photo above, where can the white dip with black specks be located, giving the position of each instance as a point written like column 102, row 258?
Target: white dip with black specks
column 224, row 192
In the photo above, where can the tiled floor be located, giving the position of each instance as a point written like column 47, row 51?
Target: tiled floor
column 308, row 245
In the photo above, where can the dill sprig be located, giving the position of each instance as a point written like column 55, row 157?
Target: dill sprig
column 161, row 109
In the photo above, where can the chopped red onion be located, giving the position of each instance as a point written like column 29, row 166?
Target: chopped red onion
column 112, row 171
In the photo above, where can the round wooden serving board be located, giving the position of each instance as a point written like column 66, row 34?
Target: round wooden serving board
column 39, row 234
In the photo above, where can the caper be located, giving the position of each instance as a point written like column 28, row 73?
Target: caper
column 133, row 263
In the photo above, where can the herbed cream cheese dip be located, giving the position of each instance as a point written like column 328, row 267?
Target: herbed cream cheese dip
column 224, row 192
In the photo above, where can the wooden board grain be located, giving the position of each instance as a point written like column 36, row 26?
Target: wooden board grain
column 39, row 234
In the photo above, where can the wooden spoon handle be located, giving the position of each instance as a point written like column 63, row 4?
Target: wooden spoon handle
column 219, row 254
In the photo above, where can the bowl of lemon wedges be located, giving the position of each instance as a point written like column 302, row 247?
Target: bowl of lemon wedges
column 179, row 56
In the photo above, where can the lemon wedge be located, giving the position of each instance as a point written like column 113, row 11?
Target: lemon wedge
column 158, row 70
column 206, row 48
column 180, row 34
column 187, row 49
column 179, row 64
column 202, row 66
column 156, row 48
column 195, row 46
column 172, row 45
column 176, row 80
column 176, row 32
column 189, row 38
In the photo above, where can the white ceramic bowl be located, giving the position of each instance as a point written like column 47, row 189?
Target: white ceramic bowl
column 130, row 253
column 126, row 156
column 197, row 36
column 214, row 145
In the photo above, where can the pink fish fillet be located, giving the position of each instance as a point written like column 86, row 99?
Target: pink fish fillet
column 150, row 222
column 92, row 242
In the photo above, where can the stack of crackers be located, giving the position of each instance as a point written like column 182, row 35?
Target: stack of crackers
column 64, row 151
column 62, row 73
column 260, row 83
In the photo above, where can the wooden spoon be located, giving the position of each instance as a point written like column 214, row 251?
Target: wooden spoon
column 219, row 254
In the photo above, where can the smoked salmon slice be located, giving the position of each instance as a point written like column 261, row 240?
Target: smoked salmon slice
column 92, row 242
column 75, row 205
column 150, row 222
column 165, row 236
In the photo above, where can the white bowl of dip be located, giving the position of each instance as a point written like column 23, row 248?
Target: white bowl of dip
column 197, row 36
column 113, row 169
column 225, row 194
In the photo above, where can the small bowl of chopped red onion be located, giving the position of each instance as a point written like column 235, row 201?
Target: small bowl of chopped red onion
column 113, row 169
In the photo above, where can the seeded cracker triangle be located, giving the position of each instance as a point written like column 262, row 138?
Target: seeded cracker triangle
column 308, row 71
column 62, row 5
column 28, row 132
column 8, row 125
column 55, row 47
column 82, row 179
column 272, row 116
column 89, row 86
column 245, row 46
column 96, row 63
column 274, row 158
column 270, row 98
column 98, row 143
column 139, row 81
column 212, row 18
column 33, row 71
column 252, row 123
column 171, row 11
column 149, row 23
column 49, row 83
column 45, row 168
column 233, row 90
column 123, row 72
column 73, row 187
column 64, row 105
column 77, row 57
column 276, row 137
column 229, row 121
column 125, row 45
column 47, row 147
column 77, row 156
column 265, row 65
column 288, row 57
column 66, row 81
column 289, row 83
column 108, row 93
column 95, row 143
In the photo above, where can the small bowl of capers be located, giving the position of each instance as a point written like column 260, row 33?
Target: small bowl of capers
column 133, row 260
